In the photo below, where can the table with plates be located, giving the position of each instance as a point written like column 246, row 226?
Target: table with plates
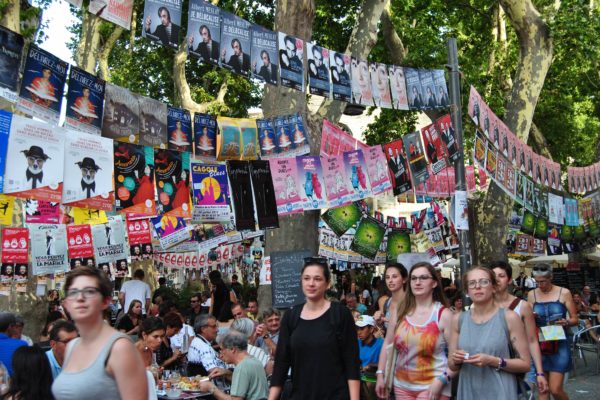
column 162, row 395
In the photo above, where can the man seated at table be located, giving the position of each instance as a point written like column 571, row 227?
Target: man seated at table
column 583, row 311
column 202, row 357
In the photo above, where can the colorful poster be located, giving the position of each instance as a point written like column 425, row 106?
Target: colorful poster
column 204, row 31
column 361, row 83
column 116, row 11
column 42, row 212
column 448, row 135
column 42, row 85
column 82, row 216
column 241, row 193
column 15, row 245
column 162, row 21
column 172, row 173
column 264, row 194
column 310, row 176
column 48, row 248
column 341, row 219
column 413, row 87
column 235, row 43
column 318, row 70
column 134, row 179
column 434, row 148
column 153, row 119
column 85, row 101
column 416, row 158
column 285, row 174
column 474, row 108
column 11, row 52
column 36, row 156
column 336, row 181
column 5, row 124
column 368, row 237
column 121, row 114
column 480, row 150
column 297, row 134
column 88, row 167
column 170, row 230
column 398, row 242
column 283, row 138
column 210, row 192
column 397, row 163
column 249, row 137
column 110, row 246
column 340, row 76
column 179, row 129
column 491, row 161
column 205, row 137
column 140, row 238
column 571, row 213
column 80, row 245
column 291, row 51
column 380, row 85
column 398, row 87
column 229, row 139
column 264, row 55
column 7, row 204
column 356, row 172
column 266, row 138
column 377, row 170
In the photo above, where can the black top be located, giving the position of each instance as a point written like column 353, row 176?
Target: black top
column 321, row 367
column 163, row 353
column 222, row 303
column 125, row 323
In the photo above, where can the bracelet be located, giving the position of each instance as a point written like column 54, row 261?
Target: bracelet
column 501, row 364
column 539, row 374
column 379, row 372
column 447, row 376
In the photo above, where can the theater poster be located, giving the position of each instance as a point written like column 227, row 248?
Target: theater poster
column 153, row 119
column 172, row 174
column 441, row 89
column 80, row 245
column 43, row 212
column 318, row 70
column 340, row 76
column 204, row 32
column 291, row 55
column 368, row 237
column 414, row 89
column 427, row 89
column 42, row 85
column 241, row 193
column 398, row 87
column 265, row 65
column 36, row 156
column 7, row 204
column 416, row 158
column 264, row 194
column 121, row 120
column 115, row 11
column 229, row 139
column 170, row 230
column 287, row 188
column 210, row 192
column 380, row 85
column 89, row 163
column 398, row 242
column 339, row 189
column 356, row 172
column 139, row 235
column 448, row 136
column 434, row 149
column 15, row 245
column 341, row 219
column 5, row 124
column 83, row 216
column 249, row 137
column 134, row 179
column 48, row 248
column 11, row 51
column 361, row 82
column 85, row 101
column 397, row 164
column 377, row 170
column 162, row 22
column 110, row 246
column 235, row 44
column 312, row 182
column 179, row 129
column 266, row 138
column 205, row 137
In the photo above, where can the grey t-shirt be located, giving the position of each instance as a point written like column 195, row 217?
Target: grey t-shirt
column 249, row 380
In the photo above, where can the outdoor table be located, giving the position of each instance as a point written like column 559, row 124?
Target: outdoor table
column 183, row 396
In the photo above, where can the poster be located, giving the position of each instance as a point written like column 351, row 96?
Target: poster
column 134, row 179
column 170, row 230
column 235, row 43
column 398, row 87
column 571, row 212
column 85, row 101
column 241, row 193
column 356, row 172
column 335, row 141
column 210, row 192
column 179, row 129
column 555, row 209
column 153, row 119
column 88, row 166
column 116, row 11
column 312, row 182
column 7, row 204
column 204, row 31
column 361, row 83
column 42, row 85
column 397, row 164
column 377, row 170
column 427, row 89
column 229, row 139
column 40, row 211
column 48, row 248
column 413, row 87
column 380, row 85
column 36, row 156
column 264, row 194
column 110, row 246
column 205, row 137
column 266, row 138
column 121, row 114
column 5, row 126
column 80, row 245
column 340, row 76
column 140, row 237
column 172, row 175
column 448, row 135
column 15, row 245
column 441, row 90
column 162, row 21
column 11, row 52
column 249, row 137
column 368, row 237
column 264, row 55
column 416, row 158
column 298, row 136
column 398, row 242
column 434, row 149
column 287, row 189
column 291, row 51
column 341, row 219
column 82, row 216
column 318, row 70
column 339, row 190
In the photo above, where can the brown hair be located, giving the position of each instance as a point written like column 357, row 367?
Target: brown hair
column 131, row 305
column 173, row 320
column 488, row 271
column 104, row 285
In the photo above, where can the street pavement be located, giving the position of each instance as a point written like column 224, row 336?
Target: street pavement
column 584, row 384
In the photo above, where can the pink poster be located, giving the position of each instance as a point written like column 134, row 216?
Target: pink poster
column 310, row 177
column 377, row 170
column 338, row 187
column 434, row 149
column 451, row 181
column 285, row 172
column 335, row 141
column 41, row 212
column 470, row 177
column 356, row 172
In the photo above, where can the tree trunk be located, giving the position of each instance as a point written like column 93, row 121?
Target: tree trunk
column 103, row 71
column 11, row 15
column 88, row 48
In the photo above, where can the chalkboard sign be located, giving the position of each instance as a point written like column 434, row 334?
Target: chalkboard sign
column 559, row 277
column 285, row 277
column 575, row 281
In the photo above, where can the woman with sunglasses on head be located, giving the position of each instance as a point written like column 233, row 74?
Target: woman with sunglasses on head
column 102, row 363
column 480, row 342
column 420, row 335
column 318, row 341
column 550, row 306
column 503, row 272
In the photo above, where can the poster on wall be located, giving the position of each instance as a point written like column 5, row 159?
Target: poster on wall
column 434, row 149
column 356, row 172
column 413, row 87
column 235, row 43
column 170, row 230
column 397, row 164
column 318, row 70
column 312, row 182
column 297, row 133
column 448, row 135
column 162, row 22
column 368, row 237
column 134, row 179
column 140, row 237
column 115, row 11
column 153, row 119
column 15, row 245
column 205, row 137
column 11, row 52
column 80, row 245
column 204, row 31
column 380, row 85
column 336, row 181
column 229, row 139
column 85, row 101
column 416, row 158
column 241, row 194
column 264, row 194
column 179, row 129
column 249, row 137
column 42, row 212
column 42, row 85
column 210, row 192
column 398, row 87
column 377, row 170
column 48, row 248
column 287, row 188
column 110, row 246
column 361, row 83
column 172, row 175
column 266, row 138
column 5, row 126
column 291, row 50
column 121, row 114
column 264, row 55
column 427, row 89
column 441, row 90
column 340, row 76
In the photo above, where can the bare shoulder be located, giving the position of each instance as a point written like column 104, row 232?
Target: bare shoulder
column 512, row 317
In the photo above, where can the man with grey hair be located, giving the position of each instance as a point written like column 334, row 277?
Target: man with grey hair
column 245, row 326
column 202, row 358
column 249, row 381
column 267, row 333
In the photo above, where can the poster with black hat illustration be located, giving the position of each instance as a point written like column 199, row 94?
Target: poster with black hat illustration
column 89, row 163
column 36, row 155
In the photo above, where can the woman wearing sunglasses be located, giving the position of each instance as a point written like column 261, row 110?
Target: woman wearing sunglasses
column 550, row 306
column 420, row 335
column 480, row 342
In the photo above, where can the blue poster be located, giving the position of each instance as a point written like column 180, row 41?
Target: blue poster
column 264, row 55
column 291, row 54
column 179, row 128
column 5, row 120
column 266, row 138
column 235, row 44
column 571, row 214
column 205, row 137
column 204, row 31
column 85, row 99
column 162, row 21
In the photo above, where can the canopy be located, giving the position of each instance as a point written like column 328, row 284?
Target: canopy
column 562, row 259
column 593, row 256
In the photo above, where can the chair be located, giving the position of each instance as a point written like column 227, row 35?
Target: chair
column 582, row 341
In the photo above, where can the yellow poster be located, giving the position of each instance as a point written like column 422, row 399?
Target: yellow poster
column 7, row 205
column 84, row 216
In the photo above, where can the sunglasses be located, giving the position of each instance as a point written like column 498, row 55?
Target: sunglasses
column 315, row 260
column 540, row 269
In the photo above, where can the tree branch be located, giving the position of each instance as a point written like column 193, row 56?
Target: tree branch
column 103, row 71
column 539, row 141
column 392, row 41
column 11, row 15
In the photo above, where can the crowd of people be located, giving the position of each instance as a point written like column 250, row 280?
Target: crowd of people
column 396, row 337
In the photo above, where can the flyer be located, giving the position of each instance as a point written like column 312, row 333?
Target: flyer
column 85, row 101
column 7, row 204
column 110, row 246
column 162, row 22
column 291, row 66
column 398, row 87
column 204, row 31
column 264, row 194
column 210, row 192
column 48, row 248
column 287, row 188
column 36, row 156
column 11, row 52
column 229, row 139
column 153, row 119
column 42, row 85
column 341, row 219
column 170, row 230
column 380, row 85
column 340, row 76
column 441, row 90
column 427, row 89
column 397, row 164
column 121, row 118
column 377, row 170
column 368, row 237
column 338, row 185
column 15, row 245
column 115, row 11
column 434, row 149
column 179, row 129
column 88, row 166
column 249, row 137
column 413, row 87
column 241, row 194
column 448, row 135
column 80, row 245
column 297, row 134
column 361, row 83
column 5, row 124
column 356, row 172
column 235, row 43
column 398, row 242
column 266, row 138
column 416, row 157
column 134, row 179
column 310, row 177
column 264, row 55
column 40, row 211
column 140, row 237
column 82, row 216
column 205, row 137
column 172, row 174
column 318, row 70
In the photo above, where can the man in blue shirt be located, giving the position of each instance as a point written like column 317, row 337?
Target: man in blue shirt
column 61, row 334
column 8, row 345
column 368, row 345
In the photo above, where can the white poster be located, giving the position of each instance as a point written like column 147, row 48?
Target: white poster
column 48, row 248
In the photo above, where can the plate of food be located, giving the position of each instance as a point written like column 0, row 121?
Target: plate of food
column 191, row 384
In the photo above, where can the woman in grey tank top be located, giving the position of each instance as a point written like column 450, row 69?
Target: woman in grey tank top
column 479, row 347
column 102, row 363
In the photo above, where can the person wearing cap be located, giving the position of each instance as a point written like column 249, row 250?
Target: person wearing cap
column 8, row 345
column 368, row 345
column 16, row 332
